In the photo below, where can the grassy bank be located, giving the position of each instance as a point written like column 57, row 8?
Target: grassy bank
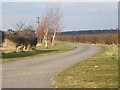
column 99, row 71
column 40, row 50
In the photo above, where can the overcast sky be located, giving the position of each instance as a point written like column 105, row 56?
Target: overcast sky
column 76, row 16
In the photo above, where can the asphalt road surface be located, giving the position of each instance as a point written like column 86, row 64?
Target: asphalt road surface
column 37, row 72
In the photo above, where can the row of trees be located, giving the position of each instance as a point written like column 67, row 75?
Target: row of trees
column 109, row 38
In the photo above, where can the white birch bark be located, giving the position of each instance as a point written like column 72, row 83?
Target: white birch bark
column 53, row 39
column 45, row 41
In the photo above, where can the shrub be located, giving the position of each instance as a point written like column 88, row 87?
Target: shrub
column 8, row 46
column 23, row 40
column 21, row 43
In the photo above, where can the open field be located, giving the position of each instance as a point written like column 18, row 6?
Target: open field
column 99, row 71
column 40, row 50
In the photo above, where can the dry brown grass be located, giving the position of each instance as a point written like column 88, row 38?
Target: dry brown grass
column 99, row 71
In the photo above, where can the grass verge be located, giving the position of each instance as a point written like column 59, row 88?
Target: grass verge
column 40, row 50
column 99, row 71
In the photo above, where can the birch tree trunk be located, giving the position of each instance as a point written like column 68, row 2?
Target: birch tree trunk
column 45, row 41
column 53, row 39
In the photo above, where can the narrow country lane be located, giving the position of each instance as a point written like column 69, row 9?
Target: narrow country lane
column 37, row 72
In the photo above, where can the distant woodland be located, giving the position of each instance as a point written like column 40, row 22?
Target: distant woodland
column 88, row 32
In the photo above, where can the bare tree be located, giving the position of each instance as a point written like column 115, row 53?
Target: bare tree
column 49, row 25
column 24, row 28
column 46, row 30
column 56, row 23
column 19, row 25
column 42, row 32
